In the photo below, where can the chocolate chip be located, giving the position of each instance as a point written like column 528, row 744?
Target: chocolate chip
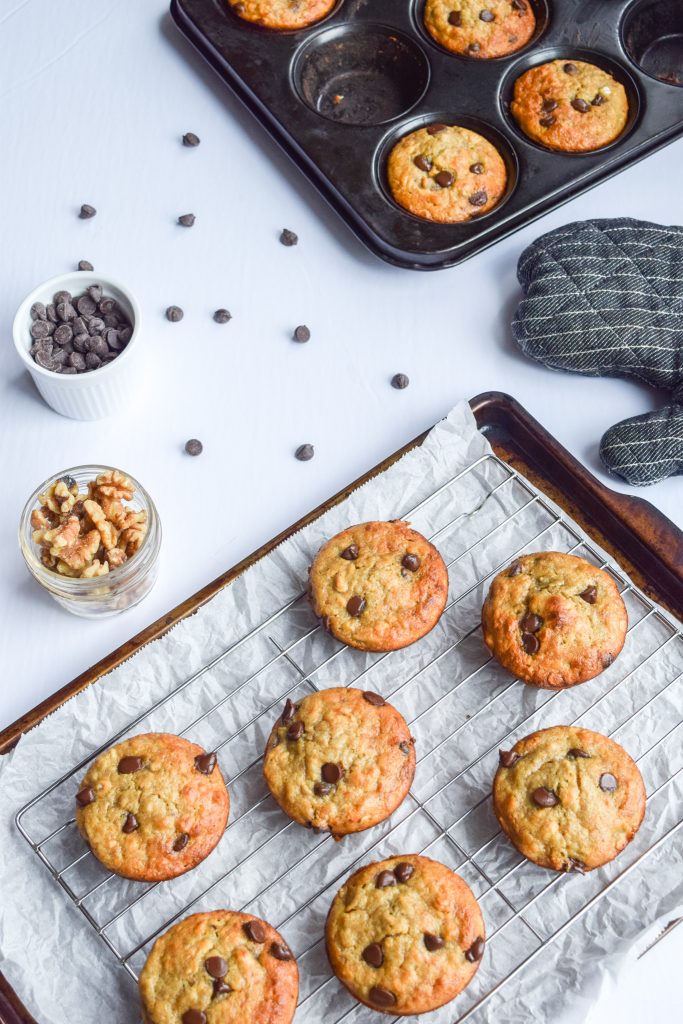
column 570, row 69
column 355, row 606
column 221, row 316
column 280, row 951
column 433, row 942
column 107, row 305
column 85, row 796
column 174, row 314
column 205, row 763
column 514, row 569
column 434, row 129
column 455, row 19
column 216, row 966
column 220, row 988
column 304, row 452
column 288, row 712
column 410, row 562
column 38, row 311
column 374, row 698
column 544, row 797
column 404, row 871
column 381, row 996
column 301, row 334
column 487, row 15
column 288, row 237
column 577, row 752
column 549, row 105
column 51, row 312
column 581, row 105
column 477, row 168
column 322, row 789
column 254, row 931
column 130, row 824
column 193, row 1017
column 598, row 100
column 181, row 842
column 186, row 220
column 350, row 553
column 95, row 292
column 39, row 329
column 589, row 595
column 373, row 954
column 608, row 783
column 194, row 446
column 547, row 121
column 331, row 772
column 128, row 765
column 404, row 747
column 87, row 211
column 530, row 643
column 295, row 731
column 76, row 360
column 607, row 660
column 476, row 950
column 384, row 879
column 62, row 297
column 422, row 162
column 575, row 865
column 444, row 179
column 190, row 139
column 45, row 360
column 474, row 47
column 85, row 265
column 506, row 758
column 400, row 381
column 518, row 5
column 530, row 623
column 63, row 334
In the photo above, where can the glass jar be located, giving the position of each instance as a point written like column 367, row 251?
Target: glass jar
column 119, row 589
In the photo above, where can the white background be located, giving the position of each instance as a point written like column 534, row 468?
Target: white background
column 94, row 98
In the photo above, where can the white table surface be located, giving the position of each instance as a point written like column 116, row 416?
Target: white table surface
column 94, row 97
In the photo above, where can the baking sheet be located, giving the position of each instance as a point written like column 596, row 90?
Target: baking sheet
column 459, row 704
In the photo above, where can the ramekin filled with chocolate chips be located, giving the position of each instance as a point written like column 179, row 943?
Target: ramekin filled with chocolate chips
column 77, row 335
column 91, row 537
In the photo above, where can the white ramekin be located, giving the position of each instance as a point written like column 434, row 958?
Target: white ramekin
column 97, row 393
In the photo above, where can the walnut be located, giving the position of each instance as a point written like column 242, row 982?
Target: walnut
column 48, row 560
column 114, row 484
column 59, row 497
column 106, row 530
column 62, row 536
column 96, row 568
column 131, row 539
column 116, row 557
column 115, row 512
column 82, row 552
column 43, row 519
column 65, row 570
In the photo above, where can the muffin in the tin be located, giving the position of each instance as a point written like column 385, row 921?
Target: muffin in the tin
column 282, row 15
column 570, row 106
column 446, row 173
column 480, row 28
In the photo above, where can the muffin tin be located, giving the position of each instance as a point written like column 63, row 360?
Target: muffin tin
column 393, row 77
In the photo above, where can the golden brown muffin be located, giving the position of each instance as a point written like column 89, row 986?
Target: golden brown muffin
column 554, row 619
column 153, row 806
column 569, row 105
column 405, row 935
column 445, row 173
column 339, row 761
column 220, row 968
column 480, row 28
column 378, row 586
column 568, row 798
column 282, row 14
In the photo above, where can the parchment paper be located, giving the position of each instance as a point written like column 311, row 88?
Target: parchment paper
column 458, row 705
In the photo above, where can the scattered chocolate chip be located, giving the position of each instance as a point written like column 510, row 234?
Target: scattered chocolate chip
column 355, row 605
column 174, row 314
column 322, row 789
column 400, row 381
column 543, row 797
column 487, row 15
column 181, row 842
column 506, row 758
column 131, row 824
column 404, row 747
column 288, row 712
column 85, row 265
column 444, row 179
column 220, row 988
column 216, row 966
column 331, row 772
column 547, row 121
column 193, row 1017
column 280, row 951
column 381, row 996
column 589, row 595
column 301, row 334
column 85, row 796
column 576, row 865
column 404, row 871
column 455, row 19
column 373, row 954
column 374, row 698
column 474, row 47
column 304, row 452
column 608, row 783
column 607, row 660
column 350, row 553
column 549, row 105
column 422, row 162
column 385, row 879
column 598, row 100
column 514, row 569
column 194, row 446
column 87, row 211
column 221, row 316
column 288, row 237
column 254, row 931
column 530, row 643
column 581, row 105
column 295, row 731
column 570, row 69
column 480, row 198
column 128, row 765
column 434, row 129
column 410, row 562
column 186, row 220
column 190, row 139
column 530, row 623
column 476, row 950
column 205, row 763
column 577, row 752
column 433, row 942
column 476, row 168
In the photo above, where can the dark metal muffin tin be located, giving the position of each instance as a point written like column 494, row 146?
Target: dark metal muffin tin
column 393, row 77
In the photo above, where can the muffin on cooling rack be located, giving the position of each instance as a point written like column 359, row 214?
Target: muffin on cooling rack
column 153, row 806
column 570, row 106
column 480, row 28
column 554, row 619
column 378, row 586
column 221, row 966
column 568, row 798
column 405, row 935
column 282, row 14
column 339, row 761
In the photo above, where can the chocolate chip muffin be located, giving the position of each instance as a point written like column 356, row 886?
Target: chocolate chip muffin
column 569, row 105
column 568, row 798
column 221, row 967
column 554, row 619
column 153, row 806
column 339, row 761
column 405, row 935
column 282, row 14
column 480, row 28
column 378, row 586
column 446, row 174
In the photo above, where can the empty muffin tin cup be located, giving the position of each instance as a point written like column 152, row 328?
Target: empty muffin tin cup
column 652, row 36
column 361, row 74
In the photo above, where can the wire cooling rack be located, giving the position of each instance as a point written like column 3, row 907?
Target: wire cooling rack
column 461, row 705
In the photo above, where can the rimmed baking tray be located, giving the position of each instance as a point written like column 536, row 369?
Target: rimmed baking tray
column 374, row 64
column 647, row 545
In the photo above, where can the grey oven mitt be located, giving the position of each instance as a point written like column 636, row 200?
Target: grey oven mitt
column 605, row 298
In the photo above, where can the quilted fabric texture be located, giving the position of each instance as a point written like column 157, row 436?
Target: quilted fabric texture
column 605, row 298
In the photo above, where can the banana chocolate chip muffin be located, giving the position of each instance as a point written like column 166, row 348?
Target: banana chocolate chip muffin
column 405, row 935
column 569, row 105
column 445, row 173
column 282, row 14
column 378, row 586
column 480, row 28
column 153, row 806
column 221, row 967
column 554, row 619
column 568, row 798
column 339, row 761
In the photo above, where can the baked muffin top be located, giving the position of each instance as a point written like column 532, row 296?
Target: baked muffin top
column 480, row 28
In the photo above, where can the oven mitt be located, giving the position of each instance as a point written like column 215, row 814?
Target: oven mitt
column 605, row 298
